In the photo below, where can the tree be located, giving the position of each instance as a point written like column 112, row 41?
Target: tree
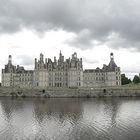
column 136, row 79
column 125, row 80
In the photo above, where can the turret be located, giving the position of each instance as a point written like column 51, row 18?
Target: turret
column 81, row 63
column 74, row 56
column 54, row 59
column 10, row 60
column 61, row 58
column 111, row 56
column 41, row 58
column 112, row 64
column 35, row 63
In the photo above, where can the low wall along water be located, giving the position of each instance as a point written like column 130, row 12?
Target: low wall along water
column 61, row 92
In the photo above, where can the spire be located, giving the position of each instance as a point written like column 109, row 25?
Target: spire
column 61, row 58
column 10, row 59
column 60, row 54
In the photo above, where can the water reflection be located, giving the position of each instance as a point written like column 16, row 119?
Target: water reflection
column 58, row 108
column 69, row 119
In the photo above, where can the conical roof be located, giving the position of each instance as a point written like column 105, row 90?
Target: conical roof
column 112, row 65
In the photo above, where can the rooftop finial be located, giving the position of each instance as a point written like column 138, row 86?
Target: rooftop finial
column 60, row 53
column 111, row 56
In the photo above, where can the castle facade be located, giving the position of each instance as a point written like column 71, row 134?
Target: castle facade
column 61, row 73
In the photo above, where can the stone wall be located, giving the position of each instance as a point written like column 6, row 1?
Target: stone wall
column 100, row 92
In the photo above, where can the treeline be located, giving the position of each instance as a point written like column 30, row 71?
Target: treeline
column 125, row 80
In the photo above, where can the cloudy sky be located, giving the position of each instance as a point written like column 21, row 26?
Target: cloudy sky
column 92, row 28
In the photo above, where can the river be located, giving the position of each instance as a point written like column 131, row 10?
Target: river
column 69, row 118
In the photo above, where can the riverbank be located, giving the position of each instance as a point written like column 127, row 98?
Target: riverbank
column 122, row 91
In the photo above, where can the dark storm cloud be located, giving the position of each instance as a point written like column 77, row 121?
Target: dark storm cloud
column 115, row 23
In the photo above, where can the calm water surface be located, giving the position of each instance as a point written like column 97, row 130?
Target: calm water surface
column 70, row 119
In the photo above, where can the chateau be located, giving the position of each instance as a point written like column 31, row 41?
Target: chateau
column 61, row 73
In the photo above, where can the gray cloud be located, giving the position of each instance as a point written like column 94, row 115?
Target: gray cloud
column 90, row 61
column 24, row 60
column 115, row 23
